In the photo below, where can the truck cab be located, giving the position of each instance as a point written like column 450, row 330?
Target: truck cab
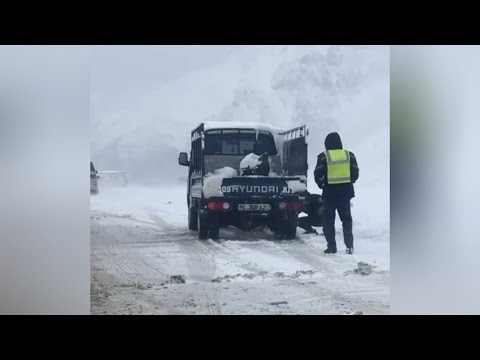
column 219, row 194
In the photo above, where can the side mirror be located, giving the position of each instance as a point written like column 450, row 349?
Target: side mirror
column 183, row 159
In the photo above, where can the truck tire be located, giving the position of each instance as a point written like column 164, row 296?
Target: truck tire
column 290, row 225
column 275, row 228
column 192, row 219
column 214, row 226
column 215, row 232
column 202, row 225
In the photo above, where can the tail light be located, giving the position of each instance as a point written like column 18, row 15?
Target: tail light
column 294, row 205
column 218, row 205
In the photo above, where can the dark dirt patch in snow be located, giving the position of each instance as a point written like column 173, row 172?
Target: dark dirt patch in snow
column 249, row 276
column 303, row 272
column 175, row 279
column 141, row 286
column 363, row 268
column 279, row 303
column 357, row 312
column 262, row 275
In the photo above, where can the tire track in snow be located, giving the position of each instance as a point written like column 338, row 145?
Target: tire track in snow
column 330, row 285
column 159, row 248
column 201, row 268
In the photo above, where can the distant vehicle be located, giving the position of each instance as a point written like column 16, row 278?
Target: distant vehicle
column 217, row 197
column 93, row 179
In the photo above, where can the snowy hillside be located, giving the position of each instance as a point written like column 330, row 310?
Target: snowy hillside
column 343, row 88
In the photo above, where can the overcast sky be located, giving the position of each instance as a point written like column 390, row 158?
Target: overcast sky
column 118, row 72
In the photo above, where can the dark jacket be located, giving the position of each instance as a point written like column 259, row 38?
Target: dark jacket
column 263, row 167
column 332, row 142
column 313, row 205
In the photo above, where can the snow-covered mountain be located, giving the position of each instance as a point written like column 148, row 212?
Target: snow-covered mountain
column 330, row 88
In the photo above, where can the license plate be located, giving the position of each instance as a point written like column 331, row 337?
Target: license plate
column 254, row 207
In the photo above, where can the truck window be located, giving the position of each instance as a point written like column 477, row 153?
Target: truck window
column 246, row 145
column 229, row 145
column 238, row 142
column 196, row 157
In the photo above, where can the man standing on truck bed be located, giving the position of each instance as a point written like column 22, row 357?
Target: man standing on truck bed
column 335, row 173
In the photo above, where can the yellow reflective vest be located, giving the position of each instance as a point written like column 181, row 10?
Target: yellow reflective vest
column 338, row 167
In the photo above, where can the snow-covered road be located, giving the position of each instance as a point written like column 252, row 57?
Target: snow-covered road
column 144, row 260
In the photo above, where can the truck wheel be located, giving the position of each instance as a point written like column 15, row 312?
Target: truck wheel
column 215, row 232
column 202, row 226
column 276, row 226
column 214, row 226
column 192, row 220
column 291, row 224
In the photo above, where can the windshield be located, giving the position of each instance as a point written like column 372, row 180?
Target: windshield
column 238, row 142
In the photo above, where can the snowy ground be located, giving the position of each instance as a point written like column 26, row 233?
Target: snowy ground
column 142, row 251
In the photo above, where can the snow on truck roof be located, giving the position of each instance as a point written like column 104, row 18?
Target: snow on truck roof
column 216, row 125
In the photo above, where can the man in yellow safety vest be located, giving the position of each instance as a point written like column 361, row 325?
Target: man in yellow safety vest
column 335, row 173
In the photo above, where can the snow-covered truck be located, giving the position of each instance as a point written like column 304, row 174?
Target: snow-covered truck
column 219, row 192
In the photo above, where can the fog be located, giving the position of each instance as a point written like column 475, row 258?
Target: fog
column 146, row 100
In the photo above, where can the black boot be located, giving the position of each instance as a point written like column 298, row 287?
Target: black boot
column 311, row 231
column 329, row 230
column 330, row 250
column 349, row 250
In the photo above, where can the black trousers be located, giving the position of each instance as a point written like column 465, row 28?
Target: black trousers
column 331, row 206
column 307, row 222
